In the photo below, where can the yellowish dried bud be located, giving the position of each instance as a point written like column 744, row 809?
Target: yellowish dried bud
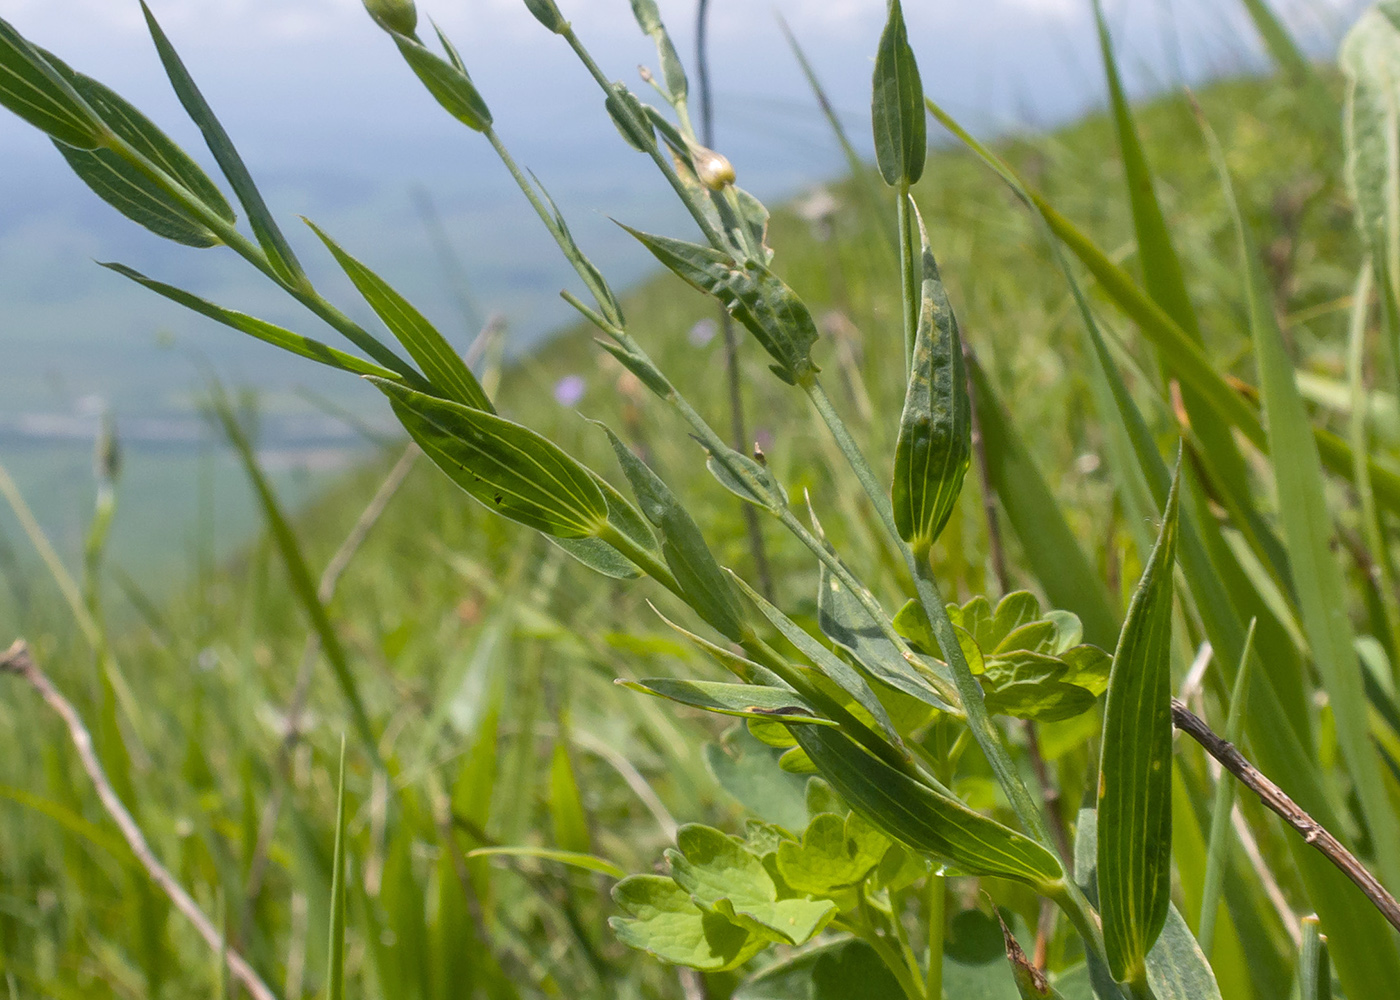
column 394, row 15
column 714, row 170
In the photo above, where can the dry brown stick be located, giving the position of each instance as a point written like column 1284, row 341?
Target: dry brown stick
column 20, row 662
column 1291, row 813
column 325, row 590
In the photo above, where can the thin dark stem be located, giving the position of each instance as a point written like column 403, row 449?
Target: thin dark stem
column 702, row 67
column 19, row 662
column 740, row 436
column 1289, row 811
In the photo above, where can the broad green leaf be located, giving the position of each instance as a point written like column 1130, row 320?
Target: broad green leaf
column 935, row 430
column 305, row 347
column 599, row 556
column 1176, row 968
column 446, row 81
column 566, row 812
column 719, row 873
column 846, row 622
column 440, row 363
column 897, row 107
column 1314, row 967
column 742, row 700
column 509, row 468
column 1134, row 813
column 843, row 970
column 925, row 819
column 1308, row 537
column 754, row 296
column 748, row 770
column 831, row 666
column 586, row 862
column 630, row 116
column 547, row 13
column 127, row 188
column 303, row 584
column 39, row 93
column 836, row 853
column 335, row 988
column 704, row 584
column 663, row 921
column 279, row 252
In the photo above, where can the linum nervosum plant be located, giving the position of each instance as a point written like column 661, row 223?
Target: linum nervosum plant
column 881, row 708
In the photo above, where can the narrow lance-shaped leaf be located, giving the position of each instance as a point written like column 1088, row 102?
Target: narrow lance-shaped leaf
column 748, row 701
column 39, row 94
column 509, row 468
column 1135, row 773
column 935, row 430
column 446, row 80
column 924, row 818
column 837, row 670
column 897, row 107
column 1314, row 965
column 294, row 343
column 442, row 365
column 275, row 245
column 649, row 20
column 754, row 296
column 130, row 189
column 704, row 584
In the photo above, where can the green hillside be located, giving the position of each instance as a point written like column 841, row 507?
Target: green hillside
column 487, row 657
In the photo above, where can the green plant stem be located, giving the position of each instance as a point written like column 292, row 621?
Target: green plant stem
column 1075, row 905
column 937, row 890
column 653, row 149
column 969, row 691
column 869, row 931
column 901, row 934
column 909, row 288
column 767, row 656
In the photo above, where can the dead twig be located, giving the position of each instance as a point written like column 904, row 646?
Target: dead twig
column 20, row 662
column 1291, row 813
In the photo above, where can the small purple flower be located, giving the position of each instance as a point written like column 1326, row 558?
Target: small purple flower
column 703, row 332
column 569, row 390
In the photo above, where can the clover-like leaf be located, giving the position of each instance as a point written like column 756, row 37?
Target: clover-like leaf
column 1030, row 662
column 663, row 921
column 836, row 853
column 719, row 873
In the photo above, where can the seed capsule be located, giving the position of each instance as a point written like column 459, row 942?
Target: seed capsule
column 714, row 170
column 394, row 15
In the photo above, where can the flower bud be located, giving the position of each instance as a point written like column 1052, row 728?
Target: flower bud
column 714, row 170
column 399, row 16
column 547, row 14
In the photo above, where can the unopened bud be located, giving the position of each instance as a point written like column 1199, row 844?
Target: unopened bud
column 714, row 170
column 399, row 16
column 548, row 14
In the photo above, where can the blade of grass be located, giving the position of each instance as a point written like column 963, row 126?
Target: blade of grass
column 335, row 988
column 1307, row 533
column 303, row 584
column 1218, row 845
